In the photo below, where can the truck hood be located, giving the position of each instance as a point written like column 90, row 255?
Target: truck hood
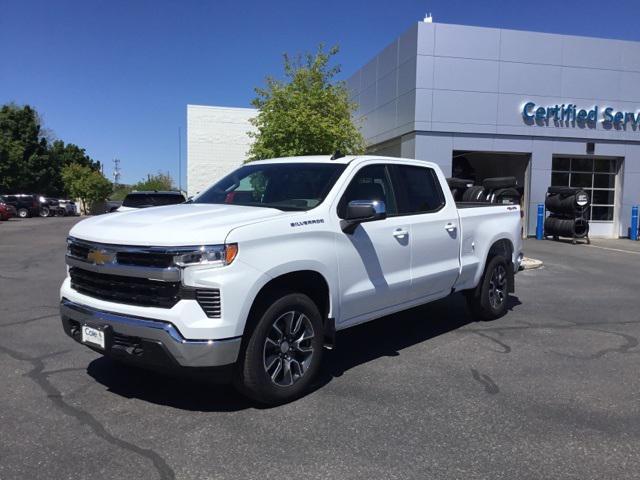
column 170, row 226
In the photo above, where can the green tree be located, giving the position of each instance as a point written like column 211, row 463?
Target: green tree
column 62, row 155
column 159, row 181
column 85, row 183
column 120, row 191
column 29, row 162
column 307, row 113
column 24, row 158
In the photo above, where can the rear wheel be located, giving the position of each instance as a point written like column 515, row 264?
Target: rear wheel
column 283, row 352
column 23, row 213
column 489, row 300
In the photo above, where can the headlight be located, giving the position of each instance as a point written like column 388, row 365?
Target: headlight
column 214, row 255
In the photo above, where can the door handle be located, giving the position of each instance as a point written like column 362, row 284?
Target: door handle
column 400, row 233
column 449, row 227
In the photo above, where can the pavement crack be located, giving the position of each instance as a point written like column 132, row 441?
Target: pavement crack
column 630, row 343
column 29, row 320
column 489, row 385
column 505, row 348
column 41, row 378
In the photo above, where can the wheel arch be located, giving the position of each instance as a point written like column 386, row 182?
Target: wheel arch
column 308, row 282
column 503, row 247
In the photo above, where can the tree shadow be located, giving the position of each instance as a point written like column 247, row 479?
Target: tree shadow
column 387, row 336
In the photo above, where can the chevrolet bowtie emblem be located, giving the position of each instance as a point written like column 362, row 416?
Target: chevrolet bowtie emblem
column 99, row 257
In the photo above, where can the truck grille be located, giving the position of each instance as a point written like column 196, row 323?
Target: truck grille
column 209, row 301
column 129, row 290
column 159, row 260
column 79, row 250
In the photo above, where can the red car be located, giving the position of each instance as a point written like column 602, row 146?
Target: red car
column 6, row 211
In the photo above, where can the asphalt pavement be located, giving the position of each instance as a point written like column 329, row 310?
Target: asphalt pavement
column 550, row 391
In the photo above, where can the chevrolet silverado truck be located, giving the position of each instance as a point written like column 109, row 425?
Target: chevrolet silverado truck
column 252, row 278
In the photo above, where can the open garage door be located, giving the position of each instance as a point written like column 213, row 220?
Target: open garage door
column 477, row 166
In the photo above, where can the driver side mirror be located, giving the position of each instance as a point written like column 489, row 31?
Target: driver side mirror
column 360, row 211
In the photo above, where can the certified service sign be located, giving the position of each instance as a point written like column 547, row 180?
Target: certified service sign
column 570, row 115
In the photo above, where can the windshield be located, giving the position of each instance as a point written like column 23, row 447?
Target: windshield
column 285, row 186
column 142, row 200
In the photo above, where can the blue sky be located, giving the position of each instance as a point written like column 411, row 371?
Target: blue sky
column 115, row 76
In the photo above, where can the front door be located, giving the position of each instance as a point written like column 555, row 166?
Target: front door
column 374, row 262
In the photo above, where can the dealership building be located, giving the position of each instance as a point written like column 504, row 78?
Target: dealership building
column 483, row 102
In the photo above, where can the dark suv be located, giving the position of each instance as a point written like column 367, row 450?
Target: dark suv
column 145, row 199
column 26, row 205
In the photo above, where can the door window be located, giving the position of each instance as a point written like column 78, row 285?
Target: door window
column 418, row 190
column 370, row 183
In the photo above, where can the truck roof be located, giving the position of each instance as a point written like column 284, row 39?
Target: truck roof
column 342, row 160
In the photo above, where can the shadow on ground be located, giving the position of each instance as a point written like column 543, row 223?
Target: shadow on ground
column 386, row 336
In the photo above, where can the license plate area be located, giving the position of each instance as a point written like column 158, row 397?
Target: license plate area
column 94, row 336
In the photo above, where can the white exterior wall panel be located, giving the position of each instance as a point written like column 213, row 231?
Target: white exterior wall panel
column 217, row 143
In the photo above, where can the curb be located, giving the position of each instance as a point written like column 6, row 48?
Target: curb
column 531, row 263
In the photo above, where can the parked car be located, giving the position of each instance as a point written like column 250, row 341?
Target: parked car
column 255, row 275
column 146, row 199
column 10, row 208
column 112, row 206
column 68, row 207
column 6, row 211
column 26, row 205
column 49, row 207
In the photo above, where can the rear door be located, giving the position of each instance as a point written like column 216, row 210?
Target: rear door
column 435, row 230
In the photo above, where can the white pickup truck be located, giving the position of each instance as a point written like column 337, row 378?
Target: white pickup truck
column 254, row 276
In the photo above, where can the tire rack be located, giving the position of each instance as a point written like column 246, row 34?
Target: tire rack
column 580, row 213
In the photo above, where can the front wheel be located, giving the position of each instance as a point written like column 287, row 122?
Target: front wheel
column 283, row 352
column 489, row 300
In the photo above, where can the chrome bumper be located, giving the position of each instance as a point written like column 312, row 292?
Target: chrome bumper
column 186, row 353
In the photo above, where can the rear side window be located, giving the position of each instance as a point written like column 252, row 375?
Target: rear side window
column 418, row 190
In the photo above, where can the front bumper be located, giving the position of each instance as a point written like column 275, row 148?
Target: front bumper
column 146, row 341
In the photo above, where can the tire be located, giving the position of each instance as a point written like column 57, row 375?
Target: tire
column 494, row 183
column 506, row 196
column 474, row 194
column 489, row 300
column 271, row 369
column 45, row 212
column 460, row 183
column 23, row 213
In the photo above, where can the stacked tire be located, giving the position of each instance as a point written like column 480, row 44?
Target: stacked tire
column 567, row 207
column 502, row 190
column 458, row 187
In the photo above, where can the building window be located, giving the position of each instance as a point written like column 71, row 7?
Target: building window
column 597, row 176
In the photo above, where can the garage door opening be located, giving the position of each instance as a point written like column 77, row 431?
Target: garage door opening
column 478, row 166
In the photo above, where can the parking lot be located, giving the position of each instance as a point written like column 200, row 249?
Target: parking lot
column 551, row 390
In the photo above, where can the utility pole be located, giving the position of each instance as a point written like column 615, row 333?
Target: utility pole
column 180, row 159
column 116, row 171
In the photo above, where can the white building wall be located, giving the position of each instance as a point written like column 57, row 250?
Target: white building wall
column 217, row 143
